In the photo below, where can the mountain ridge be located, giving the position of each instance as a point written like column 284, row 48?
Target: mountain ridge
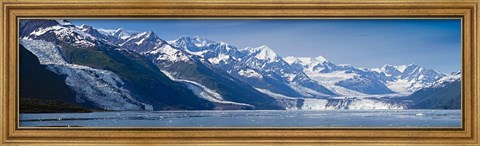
column 210, row 74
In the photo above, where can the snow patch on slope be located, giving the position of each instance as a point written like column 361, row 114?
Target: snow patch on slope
column 167, row 52
column 249, row 73
column 220, row 57
column 401, row 68
column 199, row 53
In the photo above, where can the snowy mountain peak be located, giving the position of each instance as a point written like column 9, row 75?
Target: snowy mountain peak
column 203, row 41
column 399, row 69
column 84, row 26
column 390, row 69
column 262, row 53
column 307, row 62
column 121, row 33
column 320, row 59
column 143, row 42
column 118, row 33
column 407, row 70
column 200, row 46
column 456, row 76
column 290, row 59
column 386, row 66
column 90, row 30
column 408, row 66
column 148, row 36
column 196, row 41
column 402, row 68
column 64, row 31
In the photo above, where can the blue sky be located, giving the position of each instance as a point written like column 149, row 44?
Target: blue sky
column 433, row 43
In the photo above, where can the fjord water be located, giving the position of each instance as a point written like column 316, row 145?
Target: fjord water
column 249, row 118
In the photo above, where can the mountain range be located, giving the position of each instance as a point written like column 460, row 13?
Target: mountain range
column 118, row 70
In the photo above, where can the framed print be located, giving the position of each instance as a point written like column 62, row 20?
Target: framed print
column 240, row 72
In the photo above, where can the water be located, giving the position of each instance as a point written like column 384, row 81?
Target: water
column 322, row 118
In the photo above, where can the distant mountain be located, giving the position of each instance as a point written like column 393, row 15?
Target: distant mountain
column 341, row 79
column 348, row 80
column 409, row 78
column 444, row 93
column 120, row 33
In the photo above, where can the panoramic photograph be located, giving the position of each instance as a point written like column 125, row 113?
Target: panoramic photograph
column 319, row 73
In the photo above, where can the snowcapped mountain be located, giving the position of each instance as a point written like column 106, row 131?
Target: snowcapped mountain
column 267, row 61
column 260, row 67
column 442, row 82
column 142, row 42
column 98, row 87
column 263, row 53
column 307, row 63
column 102, row 74
column 59, row 32
column 341, row 79
column 445, row 93
column 317, row 64
column 207, row 50
column 197, row 73
column 193, row 44
column 90, row 30
column 408, row 78
column 118, row 33
column 348, row 80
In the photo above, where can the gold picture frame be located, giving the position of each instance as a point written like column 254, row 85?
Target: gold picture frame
column 467, row 10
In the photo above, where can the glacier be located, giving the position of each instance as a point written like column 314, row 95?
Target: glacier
column 101, row 87
column 334, row 103
column 204, row 92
